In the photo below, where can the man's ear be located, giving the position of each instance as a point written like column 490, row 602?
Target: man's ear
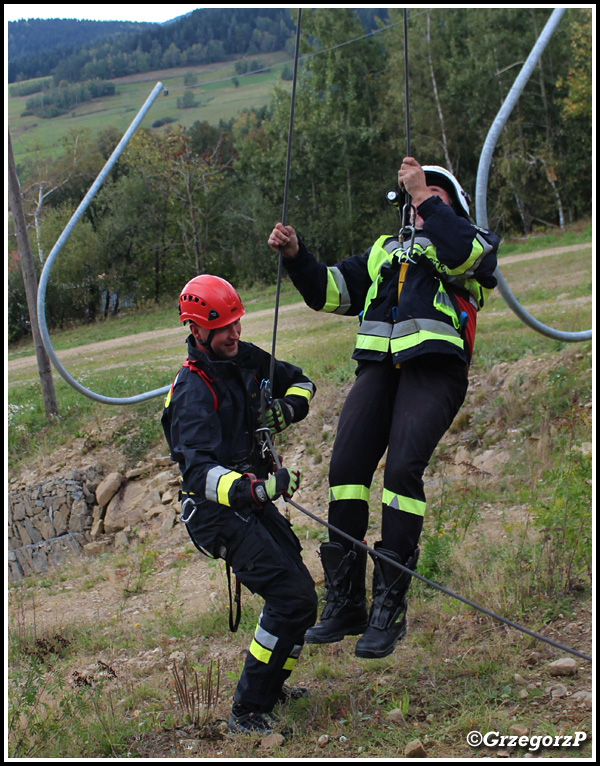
column 196, row 331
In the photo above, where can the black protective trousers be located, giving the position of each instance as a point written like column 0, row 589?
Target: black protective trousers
column 406, row 411
column 265, row 555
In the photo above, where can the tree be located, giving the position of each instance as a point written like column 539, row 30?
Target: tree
column 335, row 181
column 30, row 281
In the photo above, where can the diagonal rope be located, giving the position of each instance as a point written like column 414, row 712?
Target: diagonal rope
column 441, row 588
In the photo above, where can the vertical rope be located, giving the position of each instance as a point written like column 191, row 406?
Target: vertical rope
column 406, row 92
column 405, row 224
column 285, row 200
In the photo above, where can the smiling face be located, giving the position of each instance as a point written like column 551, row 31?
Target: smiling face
column 224, row 341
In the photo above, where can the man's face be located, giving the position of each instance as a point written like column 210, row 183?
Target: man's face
column 224, row 343
column 436, row 191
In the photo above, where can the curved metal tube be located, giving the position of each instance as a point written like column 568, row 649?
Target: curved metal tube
column 483, row 172
column 41, row 299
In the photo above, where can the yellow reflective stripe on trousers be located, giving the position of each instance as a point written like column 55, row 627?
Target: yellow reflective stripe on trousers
column 263, row 644
column 349, row 492
column 259, row 652
column 402, row 503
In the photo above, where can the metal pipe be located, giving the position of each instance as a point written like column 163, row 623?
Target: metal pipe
column 485, row 161
column 41, row 299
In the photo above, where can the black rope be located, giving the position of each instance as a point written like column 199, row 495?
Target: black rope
column 405, row 212
column 285, row 201
column 441, row 588
column 406, row 94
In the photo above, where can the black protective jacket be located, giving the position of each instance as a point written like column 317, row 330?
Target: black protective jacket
column 212, row 413
column 408, row 304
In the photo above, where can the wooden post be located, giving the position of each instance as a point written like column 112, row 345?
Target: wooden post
column 30, row 281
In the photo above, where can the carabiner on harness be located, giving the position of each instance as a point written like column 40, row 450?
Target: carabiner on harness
column 408, row 227
column 188, row 509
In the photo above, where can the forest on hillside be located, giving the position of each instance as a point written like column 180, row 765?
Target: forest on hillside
column 184, row 202
column 75, row 51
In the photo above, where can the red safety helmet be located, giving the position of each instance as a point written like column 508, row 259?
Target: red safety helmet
column 210, row 302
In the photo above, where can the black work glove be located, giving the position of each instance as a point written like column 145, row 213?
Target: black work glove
column 248, row 490
column 279, row 416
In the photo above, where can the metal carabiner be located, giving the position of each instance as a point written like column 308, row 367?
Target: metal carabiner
column 182, row 517
column 263, row 435
column 407, row 227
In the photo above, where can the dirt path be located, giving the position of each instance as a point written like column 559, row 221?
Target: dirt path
column 175, row 332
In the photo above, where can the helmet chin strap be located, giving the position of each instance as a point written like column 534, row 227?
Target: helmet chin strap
column 204, row 344
column 207, row 343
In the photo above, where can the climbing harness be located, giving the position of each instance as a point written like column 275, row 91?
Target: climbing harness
column 485, row 162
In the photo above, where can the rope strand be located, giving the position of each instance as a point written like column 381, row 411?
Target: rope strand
column 285, row 199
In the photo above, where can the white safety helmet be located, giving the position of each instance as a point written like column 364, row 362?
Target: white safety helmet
column 438, row 176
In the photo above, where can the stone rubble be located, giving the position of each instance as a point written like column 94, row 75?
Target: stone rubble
column 84, row 512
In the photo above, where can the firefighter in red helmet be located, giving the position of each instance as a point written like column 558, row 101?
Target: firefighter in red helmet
column 212, row 421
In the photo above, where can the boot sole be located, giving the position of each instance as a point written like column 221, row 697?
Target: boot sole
column 371, row 655
column 337, row 637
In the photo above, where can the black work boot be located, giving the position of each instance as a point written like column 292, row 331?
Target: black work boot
column 387, row 617
column 345, row 613
column 247, row 720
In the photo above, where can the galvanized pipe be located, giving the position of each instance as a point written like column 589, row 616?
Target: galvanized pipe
column 41, row 299
column 483, row 172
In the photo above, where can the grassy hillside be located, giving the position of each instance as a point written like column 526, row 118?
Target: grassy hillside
column 217, row 96
column 98, row 650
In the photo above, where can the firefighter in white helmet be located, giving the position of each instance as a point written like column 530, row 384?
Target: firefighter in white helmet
column 417, row 299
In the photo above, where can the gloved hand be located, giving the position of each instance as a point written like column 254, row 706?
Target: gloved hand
column 279, row 415
column 284, row 481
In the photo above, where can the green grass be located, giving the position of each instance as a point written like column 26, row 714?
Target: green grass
column 218, row 99
column 577, row 235
column 516, row 539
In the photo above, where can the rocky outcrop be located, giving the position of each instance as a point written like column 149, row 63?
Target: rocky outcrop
column 49, row 520
column 85, row 512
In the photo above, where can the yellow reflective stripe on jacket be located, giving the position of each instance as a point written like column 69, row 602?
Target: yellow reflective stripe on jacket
column 402, row 503
column 430, row 327
column 301, row 389
column 380, row 253
column 374, row 336
column 218, row 484
column 443, row 303
column 412, row 332
column 349, row 492
column 170, row 394
column 337, row 296
column 479, row 250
